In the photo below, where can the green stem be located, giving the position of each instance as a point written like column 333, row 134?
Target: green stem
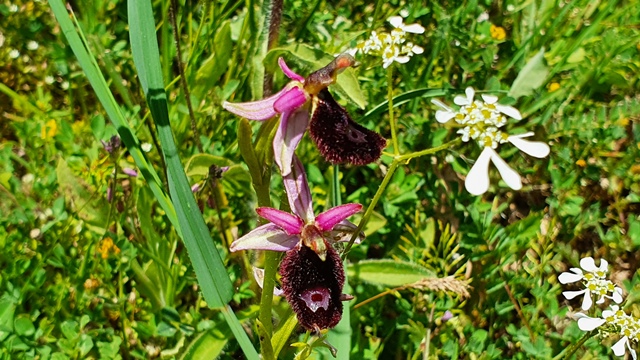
column 571, row 350
column 392, row 120
column 404, row 159
column 271, row 259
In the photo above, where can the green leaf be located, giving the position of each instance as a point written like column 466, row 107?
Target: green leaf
column 7, row 313
column 531, row 77
column 24, row 326
column 282, row 334
column 392, row 273
column 215, row 65
column 208, row 344
column 199, row 164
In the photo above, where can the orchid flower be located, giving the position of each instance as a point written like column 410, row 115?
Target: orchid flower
column 481, row 121
column 355, row 144
column 312, row 272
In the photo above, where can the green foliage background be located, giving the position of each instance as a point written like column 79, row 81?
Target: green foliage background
column 66, row 294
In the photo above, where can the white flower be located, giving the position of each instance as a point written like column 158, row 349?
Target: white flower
column 614, row 321
column 481, row 121
column 14, row 54
column 146, row 147
column 595, row 282
column 391, row 46
column 32, row 45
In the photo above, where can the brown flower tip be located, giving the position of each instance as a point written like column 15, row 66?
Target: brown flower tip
column 340, row 139
column 313, row 287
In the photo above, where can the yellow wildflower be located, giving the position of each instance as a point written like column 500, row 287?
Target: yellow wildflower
column 581, row 163
column 106, row 246
column 49, row 130
column 498, row 32
column 553, row 86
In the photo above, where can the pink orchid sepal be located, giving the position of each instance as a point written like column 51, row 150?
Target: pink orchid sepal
column 287, row 230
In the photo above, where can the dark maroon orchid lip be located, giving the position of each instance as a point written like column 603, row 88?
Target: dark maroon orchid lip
column 313, row 287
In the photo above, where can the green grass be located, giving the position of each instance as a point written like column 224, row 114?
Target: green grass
column 148, row 272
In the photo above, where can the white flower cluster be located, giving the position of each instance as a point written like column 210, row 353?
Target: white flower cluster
column 392, row 46
column 613, row 321
column 481, row 120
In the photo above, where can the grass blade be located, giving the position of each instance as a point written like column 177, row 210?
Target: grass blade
column 210, row 270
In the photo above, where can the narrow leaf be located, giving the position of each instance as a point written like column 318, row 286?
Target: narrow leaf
column 391, row 273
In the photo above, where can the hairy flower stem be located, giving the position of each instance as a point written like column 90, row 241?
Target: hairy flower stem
column 572, row 349
column 392, row 120
column 271, row 258
column 403, row 159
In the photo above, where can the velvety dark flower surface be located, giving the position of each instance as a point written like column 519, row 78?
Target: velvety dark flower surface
column 313, row 287
column 338, row 137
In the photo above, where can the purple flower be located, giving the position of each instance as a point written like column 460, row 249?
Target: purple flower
column 337, row 136
column 312, row 272
column 129, row 171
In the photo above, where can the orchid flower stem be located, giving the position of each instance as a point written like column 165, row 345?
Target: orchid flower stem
column 271, row 259
column 403, row 159
column 572, row 349
column 392, row 120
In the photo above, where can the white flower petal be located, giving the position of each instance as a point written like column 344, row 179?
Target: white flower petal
column 442, row 105
column 588, row 264
column 604, row 265
column 634, row 356
column 588, row 323
column 533, row 148
column 510, row 176
column 586, row 301
column 477, row 181
column 619, row 347
column 489, row 99
column 402, row 59
column 413, row 28
column 258, row 274
column 617, row 295
column 443, row 116
column 567, row 277
column 396, row 21
column 509, row 111
column 572, row 294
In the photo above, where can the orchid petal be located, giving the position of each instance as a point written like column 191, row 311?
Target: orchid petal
column 266, row 237
column 534, row 148
column 567, row 277
column 258, row 274
column 510, row 176
column 291, row 224
column 288, row 72
column 290, row 100
column 255, row 110
column 572, row 294
column 330, row 218
column 588, row 264
column 288, row 136
column 619, row 347
column 588, row 323
column 477, row 181
column 298, row 193
column 343, row 231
